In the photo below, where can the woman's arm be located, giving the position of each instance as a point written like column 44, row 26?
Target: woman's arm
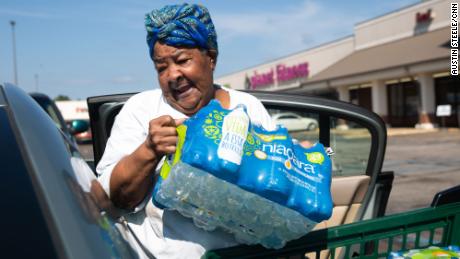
column 133, row 176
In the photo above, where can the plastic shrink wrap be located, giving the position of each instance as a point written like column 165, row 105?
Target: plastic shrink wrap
column 259, row 185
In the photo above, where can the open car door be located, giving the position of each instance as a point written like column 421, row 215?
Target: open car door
column 356, row 135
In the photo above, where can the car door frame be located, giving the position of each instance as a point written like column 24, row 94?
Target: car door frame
column 103, row 109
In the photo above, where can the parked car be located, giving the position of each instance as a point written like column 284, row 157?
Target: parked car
column 75, row 112
column 84, row 137
column 70, row 130
column 53, row 205
column 294, row 122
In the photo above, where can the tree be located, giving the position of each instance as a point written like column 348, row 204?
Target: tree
column 62, row 98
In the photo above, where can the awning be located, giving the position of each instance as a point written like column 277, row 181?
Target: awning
column 417, row 49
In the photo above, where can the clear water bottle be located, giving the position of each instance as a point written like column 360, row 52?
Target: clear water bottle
column 263, row 172
column 311, row 197
column 230, row 150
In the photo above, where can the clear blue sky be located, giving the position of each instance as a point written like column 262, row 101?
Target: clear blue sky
column 86, row 48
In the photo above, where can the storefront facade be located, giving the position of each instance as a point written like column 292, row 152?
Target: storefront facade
column 396, row 65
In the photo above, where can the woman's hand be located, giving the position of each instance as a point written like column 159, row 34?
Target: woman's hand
column 162, row 136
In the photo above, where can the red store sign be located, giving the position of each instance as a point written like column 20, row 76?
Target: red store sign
column 283, row 74
column 424, row 17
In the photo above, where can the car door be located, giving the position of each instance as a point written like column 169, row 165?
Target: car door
column 357, row 136
column 53, row 204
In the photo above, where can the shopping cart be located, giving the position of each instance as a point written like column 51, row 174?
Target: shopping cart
column 375, row 238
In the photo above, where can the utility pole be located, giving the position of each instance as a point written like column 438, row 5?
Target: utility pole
column 15, row 69
column 36, row 82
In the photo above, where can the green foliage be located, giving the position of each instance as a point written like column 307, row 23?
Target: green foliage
column 61, row 98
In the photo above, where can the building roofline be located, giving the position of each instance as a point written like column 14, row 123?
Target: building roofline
column 378, row 17
column 335, row 41
column 322, row 45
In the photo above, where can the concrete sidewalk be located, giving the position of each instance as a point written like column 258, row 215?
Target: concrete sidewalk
column 409, row 131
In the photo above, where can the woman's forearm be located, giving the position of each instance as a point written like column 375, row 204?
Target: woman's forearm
column 133, row 177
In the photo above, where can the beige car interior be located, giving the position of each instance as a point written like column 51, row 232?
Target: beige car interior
column 347, row 194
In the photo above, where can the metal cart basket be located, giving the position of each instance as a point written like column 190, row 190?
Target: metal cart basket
column 375, row 238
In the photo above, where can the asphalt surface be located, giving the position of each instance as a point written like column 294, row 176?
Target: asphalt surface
column 424, row 163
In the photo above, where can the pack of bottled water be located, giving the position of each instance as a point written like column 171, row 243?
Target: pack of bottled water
column 259, row 185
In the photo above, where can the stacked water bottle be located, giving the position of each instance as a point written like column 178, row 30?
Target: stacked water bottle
column 259, row 185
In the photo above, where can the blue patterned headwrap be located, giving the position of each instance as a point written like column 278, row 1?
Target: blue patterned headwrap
column 188, row 25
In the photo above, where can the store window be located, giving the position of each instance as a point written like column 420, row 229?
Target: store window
column 448, row 92
column 403, row 103
column 362, row 97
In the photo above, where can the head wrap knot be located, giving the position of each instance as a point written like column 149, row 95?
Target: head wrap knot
column 188, row 25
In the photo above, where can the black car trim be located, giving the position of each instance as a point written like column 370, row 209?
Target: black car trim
column 98, row 129
column 324, row 130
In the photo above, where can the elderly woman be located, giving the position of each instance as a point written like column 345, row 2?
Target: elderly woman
column 183, row 46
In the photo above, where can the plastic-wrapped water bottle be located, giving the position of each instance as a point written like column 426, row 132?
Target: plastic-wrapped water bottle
column 230, row 151
column 311, row 196
column 257, row 184
column 250, row 217
column 269, row 180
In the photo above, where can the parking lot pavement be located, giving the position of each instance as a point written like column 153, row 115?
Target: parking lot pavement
column 424, row 162
column 86, row 151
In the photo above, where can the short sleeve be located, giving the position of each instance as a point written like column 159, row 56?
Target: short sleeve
column 128, row 133
column 261, row 116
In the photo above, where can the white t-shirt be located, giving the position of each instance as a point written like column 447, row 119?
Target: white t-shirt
column 165, row 233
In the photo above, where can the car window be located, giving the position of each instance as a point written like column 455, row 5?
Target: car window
column 299, row 130
column 351, row 144
column 96, row 207
column 52, row 113
column 287, row 117
column 47, row 105
column 24, row 223
column 349, row 141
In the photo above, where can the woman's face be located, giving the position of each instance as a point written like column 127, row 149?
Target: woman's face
column 185, row 76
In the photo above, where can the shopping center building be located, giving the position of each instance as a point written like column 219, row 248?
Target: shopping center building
column 397, row 65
